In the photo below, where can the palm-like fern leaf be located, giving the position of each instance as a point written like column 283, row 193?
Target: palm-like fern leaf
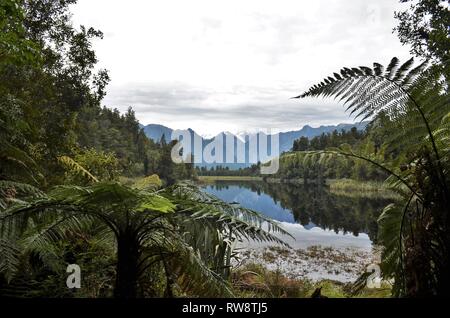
column 17, row 162
column 192, row 198
column 379, row 84
column 187, row 264
column 416, row 104
column 152, row 219
column 9, row 260
column 11, row 191
column 414, row 100
column 75, row 167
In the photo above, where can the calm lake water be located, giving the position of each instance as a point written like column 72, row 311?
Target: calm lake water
column 312, row 214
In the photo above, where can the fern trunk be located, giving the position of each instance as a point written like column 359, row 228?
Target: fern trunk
column 127, row 266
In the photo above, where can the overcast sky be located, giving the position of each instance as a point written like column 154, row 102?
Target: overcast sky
column 232, row 65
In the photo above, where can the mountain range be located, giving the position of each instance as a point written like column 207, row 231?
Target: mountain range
column 286, row 139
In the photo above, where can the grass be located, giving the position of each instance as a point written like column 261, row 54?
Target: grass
column 355, row 188
column 352, row 185
column 255, row 281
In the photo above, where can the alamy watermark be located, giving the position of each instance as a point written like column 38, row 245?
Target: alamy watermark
column 374, row 279
column 74, row 278
column 254, row 148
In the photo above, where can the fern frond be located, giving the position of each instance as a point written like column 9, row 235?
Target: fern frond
column 192, row 198
column 401, row 72
column 9, row 258
column 18, row 162
column 76, row 168
column 10, row 191
column 400, row 92
column 192, row 273
column 392, row 67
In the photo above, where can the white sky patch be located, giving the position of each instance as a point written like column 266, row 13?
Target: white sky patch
column 233, row 65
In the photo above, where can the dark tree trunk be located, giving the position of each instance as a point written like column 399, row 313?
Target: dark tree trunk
column 127, row 267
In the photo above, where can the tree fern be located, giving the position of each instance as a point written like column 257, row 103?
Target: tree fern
column 415, row 233
column 398, row 90
column 146, row 227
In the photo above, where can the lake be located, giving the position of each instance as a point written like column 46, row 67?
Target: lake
column 311, row 213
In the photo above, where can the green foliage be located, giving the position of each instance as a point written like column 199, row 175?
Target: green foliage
column 414, row 106
column 355, row 188
column 91, row 166
column 16, row 164
column 75, row 169
column 146, row 227
column 50, row 101
column 15, row 48
column 104, row 166
column 109, row 132
column 54, row 131
column 11, row 191
column 334, row 139
column 391, row 222
column 152, row 182
column 253, row 170
column 425, row 28
column 45, row 79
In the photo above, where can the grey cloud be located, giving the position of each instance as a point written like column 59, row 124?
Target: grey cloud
column 209, row 23
column 157, row 94
column 294, row 46
column 267, row 109
column 337, row 28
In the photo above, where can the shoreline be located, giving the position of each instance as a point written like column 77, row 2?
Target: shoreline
column 275, row 271
column 314, row 263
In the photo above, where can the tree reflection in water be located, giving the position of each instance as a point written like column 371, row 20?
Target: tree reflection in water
column 312, row 204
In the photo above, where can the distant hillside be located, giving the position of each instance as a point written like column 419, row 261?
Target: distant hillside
column 155, row 132
column 287, row 138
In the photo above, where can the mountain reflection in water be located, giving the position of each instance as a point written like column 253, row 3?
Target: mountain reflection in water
column 311, row 206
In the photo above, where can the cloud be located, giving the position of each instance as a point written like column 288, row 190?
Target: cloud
column 232, row 65
column 179, row 105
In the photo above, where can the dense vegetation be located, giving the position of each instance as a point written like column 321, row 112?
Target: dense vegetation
column 81, row 184
column 253, row 170
column 415, row 233
column 50, row 104
column 333, row 139
column 293, row 165
column 407, row 141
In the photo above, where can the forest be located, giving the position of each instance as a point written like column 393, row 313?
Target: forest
column 292, row 166
column 80, row 183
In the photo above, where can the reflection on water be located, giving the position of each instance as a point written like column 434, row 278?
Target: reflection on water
column 314, row 207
